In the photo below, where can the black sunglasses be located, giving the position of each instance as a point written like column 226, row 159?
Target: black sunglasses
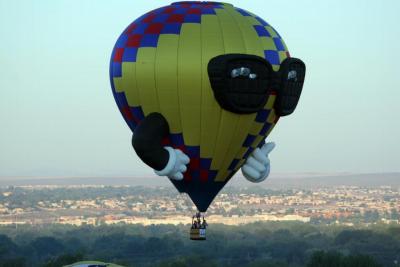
column 242, row 83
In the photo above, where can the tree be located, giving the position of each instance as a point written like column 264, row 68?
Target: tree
column 15, row 262
column 64, row 259
column 45, row 247
column 335, row 259
column 7, row 246
column 325, row 259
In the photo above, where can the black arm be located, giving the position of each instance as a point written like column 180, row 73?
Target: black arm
column 147, row 138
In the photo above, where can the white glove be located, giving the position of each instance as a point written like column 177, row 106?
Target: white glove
column 257, row 166
column 176, row 165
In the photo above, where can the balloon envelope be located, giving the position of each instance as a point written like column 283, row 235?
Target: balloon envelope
column 159, row 64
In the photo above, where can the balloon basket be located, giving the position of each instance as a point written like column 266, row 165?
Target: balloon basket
column 198, row 234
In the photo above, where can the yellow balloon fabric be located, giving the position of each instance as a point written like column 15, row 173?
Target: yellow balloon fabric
column 159, row 64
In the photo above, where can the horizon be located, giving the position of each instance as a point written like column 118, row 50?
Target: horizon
column 290, row 175
column 305, row 181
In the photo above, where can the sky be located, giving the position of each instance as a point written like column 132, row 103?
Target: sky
column 58, row 117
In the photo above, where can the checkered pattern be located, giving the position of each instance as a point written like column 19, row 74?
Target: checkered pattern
column 162, row 29
column 269, row 36
column 145, row 31
column 198, row 168
column 264, row 122
column 132, row 115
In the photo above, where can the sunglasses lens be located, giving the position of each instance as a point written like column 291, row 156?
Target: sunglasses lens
column 292, row 72
column 240, row 82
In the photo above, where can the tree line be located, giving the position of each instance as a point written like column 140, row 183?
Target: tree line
column 260, row 244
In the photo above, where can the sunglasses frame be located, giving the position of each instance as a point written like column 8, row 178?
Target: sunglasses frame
column 238, row 90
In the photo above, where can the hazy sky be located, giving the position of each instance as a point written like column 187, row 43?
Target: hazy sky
column 58, row 116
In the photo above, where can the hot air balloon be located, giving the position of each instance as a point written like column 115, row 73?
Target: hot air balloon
column 201, row 85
